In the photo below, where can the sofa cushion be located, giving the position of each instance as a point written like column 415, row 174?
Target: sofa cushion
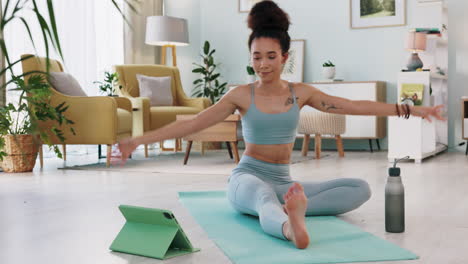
column 124, row 121
column 65, row 83
column 164, row 115
column 158, row 89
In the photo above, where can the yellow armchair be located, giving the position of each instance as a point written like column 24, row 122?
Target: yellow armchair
column 154, row 117
column 97, row 119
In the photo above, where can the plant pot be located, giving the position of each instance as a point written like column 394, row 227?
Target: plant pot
column 22, row 153
column 328, row 72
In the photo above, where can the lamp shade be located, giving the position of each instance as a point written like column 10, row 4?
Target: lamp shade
column 416, row 41
column 165, row 30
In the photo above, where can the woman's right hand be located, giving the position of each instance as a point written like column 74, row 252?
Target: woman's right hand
column 126, row 147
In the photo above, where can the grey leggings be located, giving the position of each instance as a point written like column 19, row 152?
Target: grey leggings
column 257, row 187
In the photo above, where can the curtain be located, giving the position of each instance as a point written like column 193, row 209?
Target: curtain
column 2, row 64
column 91, row 36
column 135, row 49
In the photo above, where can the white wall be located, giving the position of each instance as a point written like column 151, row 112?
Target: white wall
column 458, row 66
column 190, row 10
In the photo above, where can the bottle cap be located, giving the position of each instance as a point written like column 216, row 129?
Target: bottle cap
column 394, row 171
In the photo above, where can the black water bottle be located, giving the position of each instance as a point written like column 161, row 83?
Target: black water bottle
column 394, row 201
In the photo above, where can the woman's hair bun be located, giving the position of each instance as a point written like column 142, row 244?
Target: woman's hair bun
column 267, row 15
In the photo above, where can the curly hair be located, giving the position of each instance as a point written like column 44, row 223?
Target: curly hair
column 267, row 19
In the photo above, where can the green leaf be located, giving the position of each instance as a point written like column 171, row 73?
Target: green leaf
column 53, row 24
column 198, row 70
column 122, row 13
column 211, row 53
column 214, row 77
column 10, row 66
column 206, row 47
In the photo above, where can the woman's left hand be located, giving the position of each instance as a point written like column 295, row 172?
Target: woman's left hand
column 427, row 112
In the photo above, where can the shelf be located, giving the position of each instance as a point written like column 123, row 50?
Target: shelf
column 439, row 76
column 438, row 38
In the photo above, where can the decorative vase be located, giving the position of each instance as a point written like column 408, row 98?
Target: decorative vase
column 414, row 62
column 328, row 73
column 21, row 153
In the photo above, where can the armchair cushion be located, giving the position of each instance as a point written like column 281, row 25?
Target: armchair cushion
column 65, row 83
column 158, row 89
column 164, row 115
column 124, row 121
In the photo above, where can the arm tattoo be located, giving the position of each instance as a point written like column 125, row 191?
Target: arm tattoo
column 290, row 100
column 329, row 106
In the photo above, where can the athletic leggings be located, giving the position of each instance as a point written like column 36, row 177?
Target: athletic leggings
column 257, row 187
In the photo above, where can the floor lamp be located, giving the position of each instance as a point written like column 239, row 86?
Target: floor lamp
column 167, row 32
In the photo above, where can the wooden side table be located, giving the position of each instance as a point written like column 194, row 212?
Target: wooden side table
column 225, row 131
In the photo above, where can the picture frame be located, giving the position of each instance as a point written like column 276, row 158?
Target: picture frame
column 246, row 5
column 377, row 13
column 293, row 70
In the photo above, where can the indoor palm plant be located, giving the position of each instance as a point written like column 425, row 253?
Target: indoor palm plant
column 19, row 130
column 208, row 85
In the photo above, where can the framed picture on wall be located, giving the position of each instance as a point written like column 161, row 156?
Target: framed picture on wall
column 294, row 67
column 245, row 5
column 377, row 13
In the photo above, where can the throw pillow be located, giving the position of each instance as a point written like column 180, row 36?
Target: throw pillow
column 66, row 84
column 158, row 89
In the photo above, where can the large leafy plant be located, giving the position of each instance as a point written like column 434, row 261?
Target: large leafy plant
column 32, row 107
column 208, row 85
column 33, row 104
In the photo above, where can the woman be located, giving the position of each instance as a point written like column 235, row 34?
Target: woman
column 261, row 185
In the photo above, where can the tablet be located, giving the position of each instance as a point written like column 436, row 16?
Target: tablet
column 151, row 232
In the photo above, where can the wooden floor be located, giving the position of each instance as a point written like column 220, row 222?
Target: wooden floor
column 69, row 216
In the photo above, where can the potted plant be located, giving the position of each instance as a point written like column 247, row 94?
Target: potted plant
column 250, row 74
column 109, row 84
column 328, row 70
column 20, row 134
column 208, row 85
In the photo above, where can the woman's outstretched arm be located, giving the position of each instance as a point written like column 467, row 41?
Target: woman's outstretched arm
column 208, row 117
column 339, row 105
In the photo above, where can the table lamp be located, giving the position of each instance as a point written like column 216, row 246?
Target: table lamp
column 415, row 42
column 166, row 31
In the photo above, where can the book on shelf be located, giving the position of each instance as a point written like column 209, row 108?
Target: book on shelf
column 425, row 30
column 406, row 70
column 412, row 93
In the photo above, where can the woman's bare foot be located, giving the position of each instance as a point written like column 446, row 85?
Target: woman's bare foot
column 295, row 205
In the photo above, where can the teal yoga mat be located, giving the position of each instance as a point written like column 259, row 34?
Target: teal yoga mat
column 243, row 240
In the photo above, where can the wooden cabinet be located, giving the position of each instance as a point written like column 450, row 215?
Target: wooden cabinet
column 358, row 127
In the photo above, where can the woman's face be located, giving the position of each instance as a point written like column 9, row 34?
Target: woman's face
column 267, row 58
